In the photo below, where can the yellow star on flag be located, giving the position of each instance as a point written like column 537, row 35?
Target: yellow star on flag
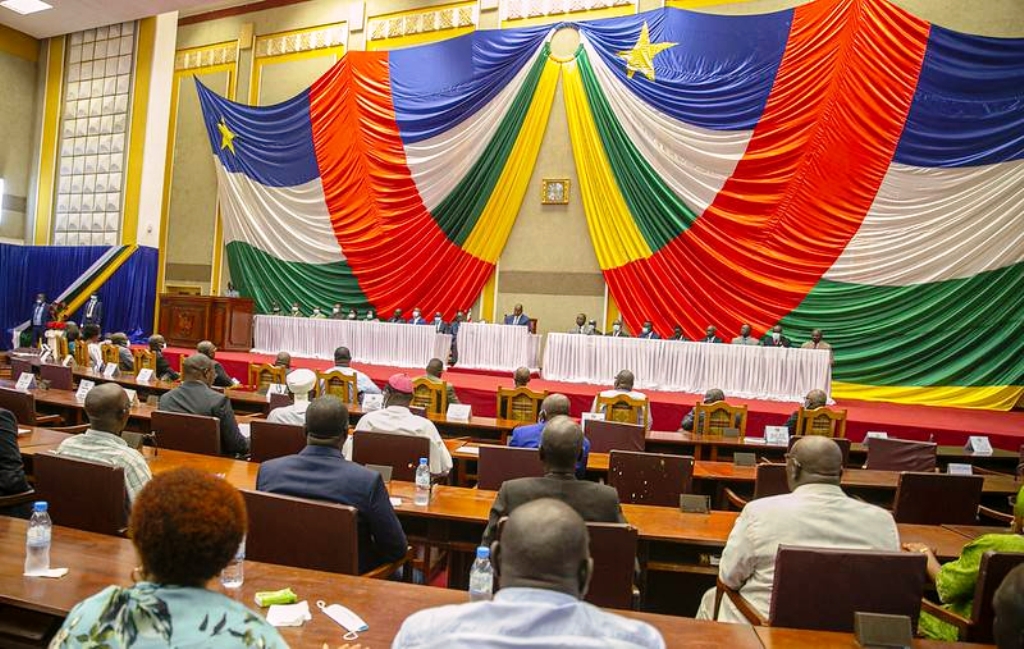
column 641, row 57
column 227, row 138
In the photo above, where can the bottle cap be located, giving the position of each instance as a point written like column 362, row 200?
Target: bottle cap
column 423, row 460
column 483, row 552
column 39, row 506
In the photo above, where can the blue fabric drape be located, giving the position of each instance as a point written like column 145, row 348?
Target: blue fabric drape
column 128, row 296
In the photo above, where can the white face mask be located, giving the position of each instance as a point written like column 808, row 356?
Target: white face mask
column 336, row 310
column 616, row 328
column 437, row 318
column 369, row 315
column 415, row 314
column 776, row 335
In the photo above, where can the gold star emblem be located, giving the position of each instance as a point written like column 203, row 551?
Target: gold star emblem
column 227, row 138
column 641, row 57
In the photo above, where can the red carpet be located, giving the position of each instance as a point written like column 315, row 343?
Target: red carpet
column 943, row 425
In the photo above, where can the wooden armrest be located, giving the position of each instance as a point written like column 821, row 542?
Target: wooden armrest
column 388, row 569
column 995, row 515
column 742, row 605
column 734, row 499
column 42, row 420
column 17, row 499
column 983, row 471
column 945, row 615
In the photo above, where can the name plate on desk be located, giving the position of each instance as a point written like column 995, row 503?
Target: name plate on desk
column 744, row 459
column 68, row 361
column 695, row 504
column 880, row 630
column 874, row 434
column 955, row 468
column 26, row 381
column 110, row 370
column 591, row 416
column 372, row 402
column 776, row 435
column 47, row 355
column 276, row 388
column 133, row 397
column 978, row 445
column 145, row 376
column 459, row 412
column 83, row 389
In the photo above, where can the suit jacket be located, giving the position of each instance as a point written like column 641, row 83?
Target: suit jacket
column 523, row 320
column 530, row 436
column 715, row 339
column 322, row 473
column 12, row 473
column 220, row 377
column 95, row 316
column 163, row 368
column 618, row 334
column 768, row 341
column 439, row 327
column 417, row 321
column 450, row 388
column 596, row 503
column 196, row 398
column 650, row 335
column 44, row 317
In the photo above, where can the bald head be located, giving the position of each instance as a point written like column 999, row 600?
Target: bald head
column 284, row 359
column 815, row 399
column 207, row 348
column 624, row 381
column 156, row 342
column 561, row 445
column 107, row 407
column 554, row 405
column 521, row 377
column 814, row 460
column 197, row 367
column 544, row 544
column 435, row 367
column 713, row 395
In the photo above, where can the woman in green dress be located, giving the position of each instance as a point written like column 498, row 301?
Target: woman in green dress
column 955, row 581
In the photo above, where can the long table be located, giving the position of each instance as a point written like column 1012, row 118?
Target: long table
column 499, row 347
column 768, row 373
column 376, row 343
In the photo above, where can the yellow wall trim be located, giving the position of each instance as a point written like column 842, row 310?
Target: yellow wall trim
column 524, row 13
column 50, row 133
column 137, row 134
column 418, row 26
column 195, row 58
column 301, row 40
column 694, row 4
column 19, row 44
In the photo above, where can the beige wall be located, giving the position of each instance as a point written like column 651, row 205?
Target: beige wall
column 18, row 108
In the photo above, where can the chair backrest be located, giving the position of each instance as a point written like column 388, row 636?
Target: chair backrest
column 843, row 443
column 650, row 478
column 937, row 498
column 144, row 360
column 821, row 421
column 82, row 494
column 607, row 436
column 842, row 582
column 59, row 377
column 623, row 409
column 400, row 452
column 262, row 375
column 18, row 367
column 713, row 418
column 110, row 353
column 61, row 343
column 432, row 396
column 268, row 440
column 338, row 384
column 994, row 568
column 183, row 432
column 301, row 533
column 500, row 463
column 21, row 404
column 770, row 480
column 901, row 455
column 520, row 404
column 82, row 353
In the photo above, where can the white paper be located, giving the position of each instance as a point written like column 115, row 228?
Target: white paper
column 871, row 434
column 395, row 502
column 289, row 614
column 372, row 402
column 83, row 389
column 68, row 360
column 469, row 450
column 776, row 435
column 26, row 381
column 50, row 573
column 133, row 396
column 956, row 468
column 459, row 412
column 145, row 376
column 245, row 429
column 979, row 445
column 756, row 441
column 109, row 370
column 24, row 431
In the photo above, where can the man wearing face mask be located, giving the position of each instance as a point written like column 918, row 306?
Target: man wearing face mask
column 93, row 311
column 618, row 331
column 337, row 312
column 370, row 317
column 275, row 308
column 453, row 329
column 296, row 311
column 648, row 332
column 352, row 314
column 440, row 326
column 745, row 338
column 40, row 318
column 417, row 317
column 318, row 314
column 775, row 338
column 157, row 344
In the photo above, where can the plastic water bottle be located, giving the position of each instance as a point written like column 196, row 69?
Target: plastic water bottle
column 37, row 542
column 233, row 574
column 481, row 577
column 422, row 496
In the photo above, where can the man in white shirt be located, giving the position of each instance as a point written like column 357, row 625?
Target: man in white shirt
column 624, row 385
column 395, row 417
column 300, row 382
column 364, row 385
column 816, row 514
column 543, row 564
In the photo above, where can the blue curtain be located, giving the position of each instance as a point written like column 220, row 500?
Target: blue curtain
column 128, row 296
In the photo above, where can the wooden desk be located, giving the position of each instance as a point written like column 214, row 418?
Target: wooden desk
column 971, row 532
column 41, row 437
column 185, row 320
column 779, row 638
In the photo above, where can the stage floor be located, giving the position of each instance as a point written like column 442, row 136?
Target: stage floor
column 943, row 425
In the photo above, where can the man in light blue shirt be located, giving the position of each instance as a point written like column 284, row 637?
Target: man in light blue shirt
column 364, row 385
column 544, row 567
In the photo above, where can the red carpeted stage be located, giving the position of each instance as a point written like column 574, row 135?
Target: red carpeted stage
column 943, row 425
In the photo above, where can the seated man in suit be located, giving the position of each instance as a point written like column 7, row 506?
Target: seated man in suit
column 108, row 407
column 711, row 396
column 300, row 383
column 521, row 377
column 677, row 334
column 710, row 335
column 582, row 326
column 395, row 417
column 775, row 338
column 320, row 472
column 816, row 514
column 543, row 565
column 417, row 317
column 745, row 338
column 195, row 397
column 296, row 311
column 554, row 405
column 342, row 360
column 814, row 399
column 125, row 360
column 12, row 471
column 434, row 369
column 157, row 344
column 618, row 330
column 560, row 448
column 518, row 317
column 647, row 332
column 397, row 317
column 440, row 326
column 624, row 385
column 220, row 377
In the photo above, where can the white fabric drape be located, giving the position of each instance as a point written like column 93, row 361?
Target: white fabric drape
column 768, row 373
column 496, row 347
column 376, row 343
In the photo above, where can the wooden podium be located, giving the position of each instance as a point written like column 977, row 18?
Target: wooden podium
column 185, row 320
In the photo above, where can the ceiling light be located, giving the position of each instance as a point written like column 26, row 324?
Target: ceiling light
column 26, row 6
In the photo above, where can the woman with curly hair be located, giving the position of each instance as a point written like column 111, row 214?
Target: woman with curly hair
column 186, row 526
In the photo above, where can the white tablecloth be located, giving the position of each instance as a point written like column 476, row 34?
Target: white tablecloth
column 376, row 343
column 769, row 373
column 496, row 347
